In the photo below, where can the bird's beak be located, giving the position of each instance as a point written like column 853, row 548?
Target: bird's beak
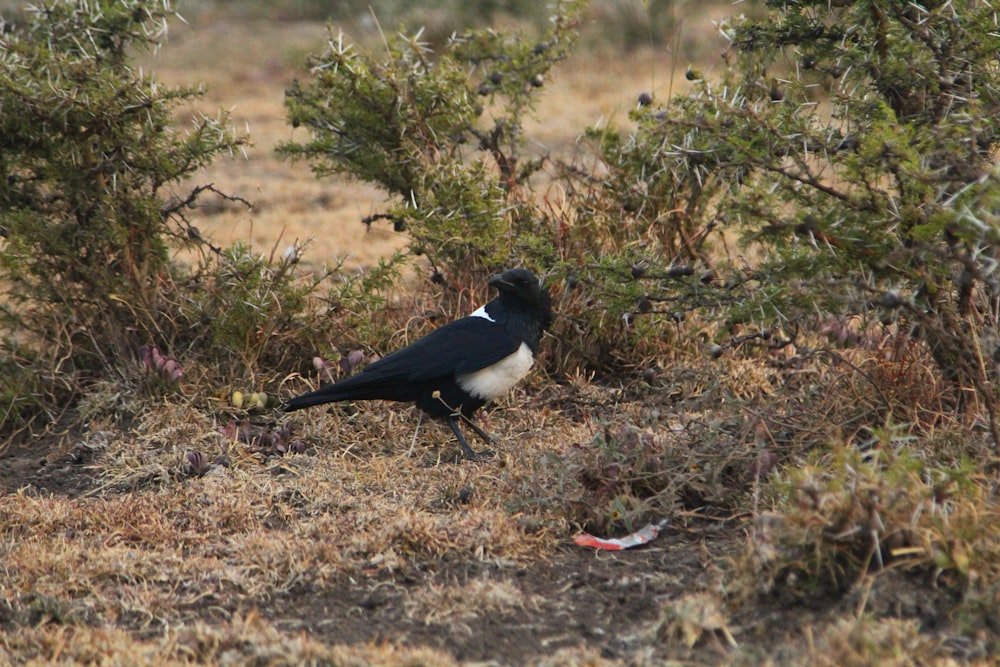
column 498, row 282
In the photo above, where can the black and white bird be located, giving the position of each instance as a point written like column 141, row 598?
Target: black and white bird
column 456, row 369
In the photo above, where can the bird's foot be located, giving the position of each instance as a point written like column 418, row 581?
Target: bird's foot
column 469, row 454
column 482, row 455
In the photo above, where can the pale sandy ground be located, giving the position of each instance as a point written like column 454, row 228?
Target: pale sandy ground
column 245, row 68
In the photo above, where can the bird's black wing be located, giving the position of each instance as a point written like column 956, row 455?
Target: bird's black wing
column 463, row 346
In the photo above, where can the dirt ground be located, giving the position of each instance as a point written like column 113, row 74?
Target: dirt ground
column 297, row 560
column 565, row 603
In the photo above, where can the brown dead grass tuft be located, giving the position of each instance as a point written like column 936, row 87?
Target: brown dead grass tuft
column 241, row 639
column 694, row 618
column 866, row 641
column 456, row 605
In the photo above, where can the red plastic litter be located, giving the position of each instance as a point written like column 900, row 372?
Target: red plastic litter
column 636, row 539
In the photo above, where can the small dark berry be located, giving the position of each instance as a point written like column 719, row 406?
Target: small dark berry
column 848, row 143
column 680, row 270
column 891, row 300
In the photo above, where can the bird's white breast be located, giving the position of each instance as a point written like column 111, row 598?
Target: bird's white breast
column 492, row 381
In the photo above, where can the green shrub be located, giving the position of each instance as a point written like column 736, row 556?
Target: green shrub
column 856, row 145
column 416, row 124
column 87, row 156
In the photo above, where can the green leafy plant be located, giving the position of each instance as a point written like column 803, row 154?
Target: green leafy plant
column 87, row 160
column 855, row 145
column 446, row 144
column 248, row 298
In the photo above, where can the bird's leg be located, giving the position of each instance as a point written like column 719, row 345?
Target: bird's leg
column 469, row 452
column 479, row 431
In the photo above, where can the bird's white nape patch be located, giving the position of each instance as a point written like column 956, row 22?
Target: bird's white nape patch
column 492, row 381
column 483, row 313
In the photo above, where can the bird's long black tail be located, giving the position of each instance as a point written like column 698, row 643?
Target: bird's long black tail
column 359, row 387
column 331, row 393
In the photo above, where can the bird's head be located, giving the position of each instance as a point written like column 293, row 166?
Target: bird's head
column 520, row 286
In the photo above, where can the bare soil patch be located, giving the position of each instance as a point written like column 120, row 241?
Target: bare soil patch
column 601, row 602
column 46, row 468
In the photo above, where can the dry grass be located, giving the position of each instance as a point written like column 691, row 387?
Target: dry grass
column 178, row 564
